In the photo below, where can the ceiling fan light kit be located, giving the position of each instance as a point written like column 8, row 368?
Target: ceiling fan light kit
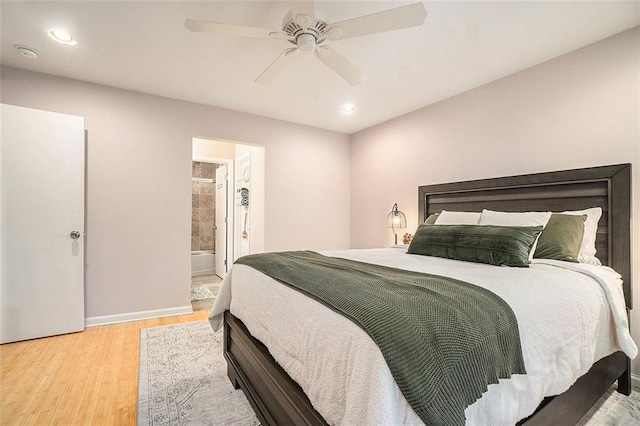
column 303, row 28
column 306, row 42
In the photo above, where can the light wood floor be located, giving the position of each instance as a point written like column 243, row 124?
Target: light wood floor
column 82, row 378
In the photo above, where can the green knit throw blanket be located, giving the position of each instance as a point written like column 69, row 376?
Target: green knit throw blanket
column 444, row 340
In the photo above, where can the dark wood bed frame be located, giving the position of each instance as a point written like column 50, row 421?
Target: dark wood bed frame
column 278, row 400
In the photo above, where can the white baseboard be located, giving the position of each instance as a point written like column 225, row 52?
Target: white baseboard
column 135, row 316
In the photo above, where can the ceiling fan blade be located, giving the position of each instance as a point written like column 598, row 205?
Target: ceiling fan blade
column 340, row 65
column 303, row 12
column 276, row 66
column 412, row 15
column 226, row 29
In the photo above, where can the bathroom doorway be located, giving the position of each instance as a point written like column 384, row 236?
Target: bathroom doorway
column 208, row 229
column 216, row 208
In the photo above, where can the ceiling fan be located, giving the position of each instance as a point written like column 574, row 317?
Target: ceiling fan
column 306, row 29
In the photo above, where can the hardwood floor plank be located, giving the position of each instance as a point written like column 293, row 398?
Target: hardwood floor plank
column 72, row 402
column 108, row 389
column 28, row 391
column 60, row 381
column 91, row 389
column 42, row 418
column 125, row 392
column 89, row 377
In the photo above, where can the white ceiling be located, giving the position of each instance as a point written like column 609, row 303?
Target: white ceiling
column 144, row 46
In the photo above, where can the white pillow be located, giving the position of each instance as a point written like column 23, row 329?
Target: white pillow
column 588, row 247
column 489, row 217
column 458, row 218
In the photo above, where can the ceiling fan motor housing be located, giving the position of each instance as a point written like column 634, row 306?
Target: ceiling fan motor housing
column 305, row 39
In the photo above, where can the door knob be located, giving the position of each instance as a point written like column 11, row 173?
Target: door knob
column 75, row 234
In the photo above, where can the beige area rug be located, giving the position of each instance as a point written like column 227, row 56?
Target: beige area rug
column 182, row 380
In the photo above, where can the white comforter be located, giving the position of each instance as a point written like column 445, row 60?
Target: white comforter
column 569, row 316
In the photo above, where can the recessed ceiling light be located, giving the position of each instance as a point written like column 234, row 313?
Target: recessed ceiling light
column 26, row 51
column 62, row 37
column 348, row 109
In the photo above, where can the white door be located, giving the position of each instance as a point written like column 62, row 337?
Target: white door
column 42, row 240
column 221, row 220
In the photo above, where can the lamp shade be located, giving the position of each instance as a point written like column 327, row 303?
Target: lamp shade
column 395, row 218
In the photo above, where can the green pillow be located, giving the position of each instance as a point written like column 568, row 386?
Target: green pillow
column 431, row 219
column 561, row 238
column 494, row 245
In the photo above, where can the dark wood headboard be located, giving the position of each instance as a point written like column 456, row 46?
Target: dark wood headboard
column 608, row 187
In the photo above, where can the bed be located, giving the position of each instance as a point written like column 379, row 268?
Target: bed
column 277, row 399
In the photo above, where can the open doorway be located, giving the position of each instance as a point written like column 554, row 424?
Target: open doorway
column 208, row 240
column 227, row 212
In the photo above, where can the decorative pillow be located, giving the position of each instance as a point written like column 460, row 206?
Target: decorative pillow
column 561, row 238
column 431, row 219
column 490, row 217
column 588, row 246
column 458, row 218
column 494, row 245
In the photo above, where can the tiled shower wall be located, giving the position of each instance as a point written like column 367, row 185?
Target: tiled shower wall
column 202, row 206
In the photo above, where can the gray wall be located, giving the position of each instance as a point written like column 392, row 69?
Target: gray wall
column 139, row 185
column 578, row 110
